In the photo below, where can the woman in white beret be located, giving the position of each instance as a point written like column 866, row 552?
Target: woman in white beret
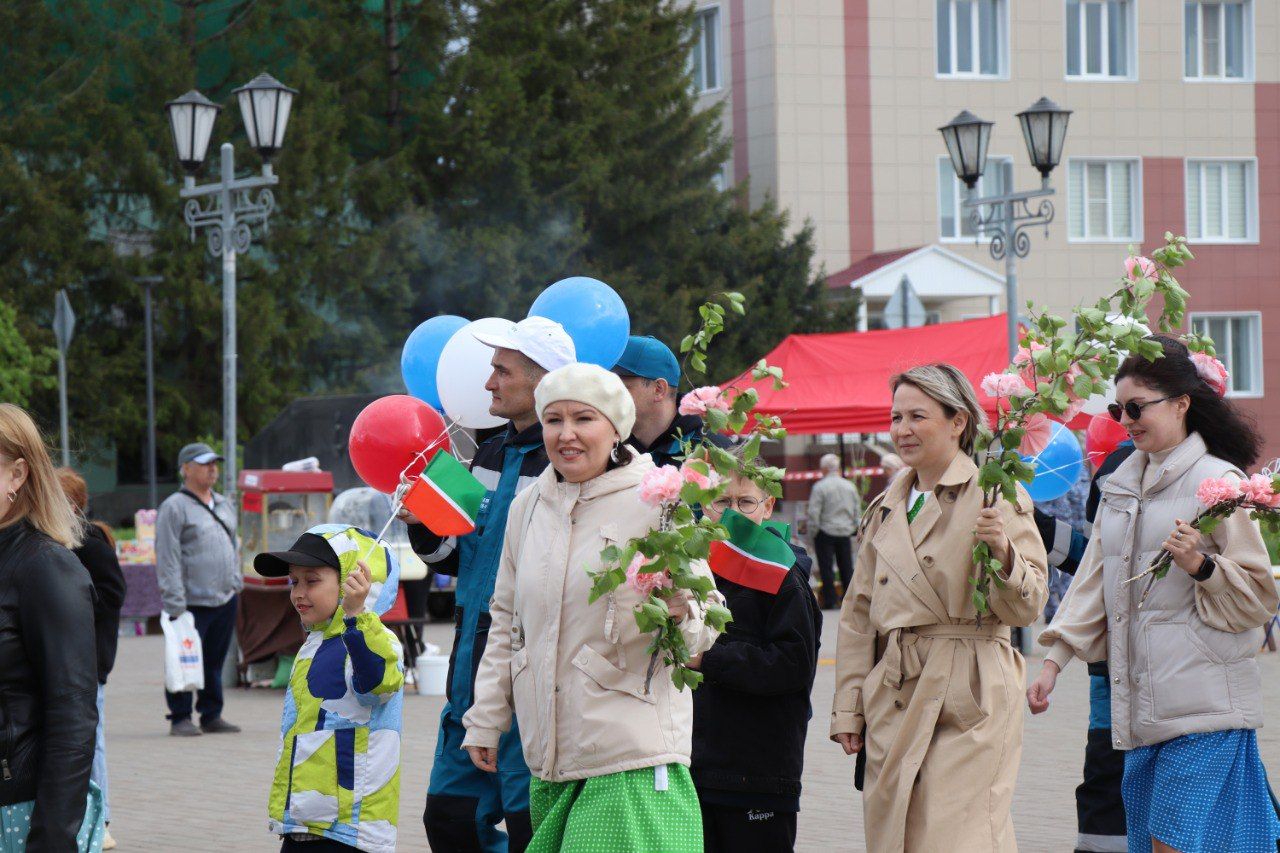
column 609, row 757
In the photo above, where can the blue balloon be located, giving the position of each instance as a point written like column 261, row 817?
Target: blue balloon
column 421, row 355
column 592, row 313
column 1057, row 467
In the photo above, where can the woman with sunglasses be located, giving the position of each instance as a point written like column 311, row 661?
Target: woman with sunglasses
column 1185, row 690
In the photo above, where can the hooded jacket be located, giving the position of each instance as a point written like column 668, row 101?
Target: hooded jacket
column 338, row 769
column 571, row 670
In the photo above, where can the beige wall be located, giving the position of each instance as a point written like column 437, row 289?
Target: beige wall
column 797, row 132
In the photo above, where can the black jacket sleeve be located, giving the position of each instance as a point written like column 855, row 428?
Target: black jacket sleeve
column 787, row 659
column 56, row 617
column 97, row 555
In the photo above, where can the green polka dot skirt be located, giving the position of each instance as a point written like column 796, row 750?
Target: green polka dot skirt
column 618, row 813
column 15, row 825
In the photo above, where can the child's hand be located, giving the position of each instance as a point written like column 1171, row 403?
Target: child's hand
column 355, row 589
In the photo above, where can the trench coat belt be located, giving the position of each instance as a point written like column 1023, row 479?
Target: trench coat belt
column 902, row 657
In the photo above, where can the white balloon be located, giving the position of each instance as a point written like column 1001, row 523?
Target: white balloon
column 464, row 369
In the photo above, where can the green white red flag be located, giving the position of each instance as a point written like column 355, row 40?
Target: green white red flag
column 752, row 556
column 446, row 498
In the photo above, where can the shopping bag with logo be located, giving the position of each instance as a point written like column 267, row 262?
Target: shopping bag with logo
column 183, row 660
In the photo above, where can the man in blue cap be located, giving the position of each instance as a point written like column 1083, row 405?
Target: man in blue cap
column 651, row 373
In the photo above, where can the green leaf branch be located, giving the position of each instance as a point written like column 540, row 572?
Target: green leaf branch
column 1060, row 369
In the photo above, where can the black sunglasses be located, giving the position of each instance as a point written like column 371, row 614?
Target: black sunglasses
column 1132, row 409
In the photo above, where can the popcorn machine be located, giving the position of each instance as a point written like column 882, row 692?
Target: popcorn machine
column 276, row 507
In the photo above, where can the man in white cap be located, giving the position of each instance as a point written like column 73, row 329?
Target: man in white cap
column 465, row 804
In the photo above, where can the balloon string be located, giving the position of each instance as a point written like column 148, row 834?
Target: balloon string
column 397, row 501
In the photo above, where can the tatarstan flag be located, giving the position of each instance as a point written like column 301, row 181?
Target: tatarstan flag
column 446, row 497
column 753, row 556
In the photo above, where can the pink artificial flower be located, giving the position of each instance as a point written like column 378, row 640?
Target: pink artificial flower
column 700, row 474
column 1216, row 490
column 1004, row 385
column 646, row 582
column 661, row 485
column 699, row 400
column 1137, row 267
column 1212, row 371
column 1039, row 429
column 1258, row 491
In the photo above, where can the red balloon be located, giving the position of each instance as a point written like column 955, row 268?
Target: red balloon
column 388, row 436
column 1101, row 438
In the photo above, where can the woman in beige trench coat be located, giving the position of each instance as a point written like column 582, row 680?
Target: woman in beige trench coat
column 934, row 699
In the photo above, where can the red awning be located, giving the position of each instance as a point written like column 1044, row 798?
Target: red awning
column 840, row 382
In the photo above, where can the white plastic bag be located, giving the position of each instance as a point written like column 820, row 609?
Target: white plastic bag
column 183, row 657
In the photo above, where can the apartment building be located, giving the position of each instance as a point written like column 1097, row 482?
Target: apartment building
column 833, row 107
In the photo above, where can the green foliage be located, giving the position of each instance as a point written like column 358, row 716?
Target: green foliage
column 684, row 538
column 1062, row 369
column 23, row 370
column 446, row 158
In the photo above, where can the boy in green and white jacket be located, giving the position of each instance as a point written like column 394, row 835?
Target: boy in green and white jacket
column 338, row 769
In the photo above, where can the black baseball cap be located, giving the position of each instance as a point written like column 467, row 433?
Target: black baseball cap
column 310, row 550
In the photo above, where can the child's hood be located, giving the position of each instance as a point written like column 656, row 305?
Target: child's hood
column 351, row 544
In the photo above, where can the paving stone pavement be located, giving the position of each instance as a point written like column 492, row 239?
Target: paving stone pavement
column 209, row 793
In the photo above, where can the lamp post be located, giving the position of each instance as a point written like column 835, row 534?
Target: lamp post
column 1044, row 129
column 265, row 104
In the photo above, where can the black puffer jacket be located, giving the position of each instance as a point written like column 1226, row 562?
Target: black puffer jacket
column 751, row 714
column 48, row 684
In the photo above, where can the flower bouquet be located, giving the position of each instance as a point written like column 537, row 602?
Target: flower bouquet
column 1221, row 497
column 660, row 565
column 1053, row 374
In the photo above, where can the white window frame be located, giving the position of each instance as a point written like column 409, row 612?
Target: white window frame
column 1224, row 347
column 711, row 10
column 1002, row 45
column 1131, row 46
column 1252, row 228
column 1135, row 200
column 1249, row 46
column 961, row 213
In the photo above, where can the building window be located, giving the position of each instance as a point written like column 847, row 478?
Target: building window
column 1218, row 39
column 953, row 219
column 720, row 180
column 1238, row 340
column 1103, row 200
column 1222, row 201
column 1100, row 38
column 971, row 38
column 705, row 61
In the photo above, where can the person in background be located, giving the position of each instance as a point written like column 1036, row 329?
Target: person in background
column 651, row 373
column 833, row 519
column 48, row 660
column 1100, row 821
column 1068, row 508
column 758, row 677
column 198, row 569
column 97, row 553
column 464, row 804
column 608, row 750
column 1186, row 695
column 892, row 465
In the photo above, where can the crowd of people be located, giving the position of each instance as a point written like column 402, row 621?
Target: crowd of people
column 557, row 735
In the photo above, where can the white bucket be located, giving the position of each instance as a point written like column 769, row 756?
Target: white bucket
column 432, row 674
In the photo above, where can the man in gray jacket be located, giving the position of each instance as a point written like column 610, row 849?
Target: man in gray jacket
column 198, row 568
column 833, row 518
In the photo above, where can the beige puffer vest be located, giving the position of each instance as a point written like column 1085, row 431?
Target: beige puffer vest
column 1171, row 673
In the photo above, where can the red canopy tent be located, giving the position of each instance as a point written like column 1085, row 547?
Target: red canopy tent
column 840, row 382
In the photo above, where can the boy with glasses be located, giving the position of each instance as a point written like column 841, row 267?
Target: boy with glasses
column 751, row 713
